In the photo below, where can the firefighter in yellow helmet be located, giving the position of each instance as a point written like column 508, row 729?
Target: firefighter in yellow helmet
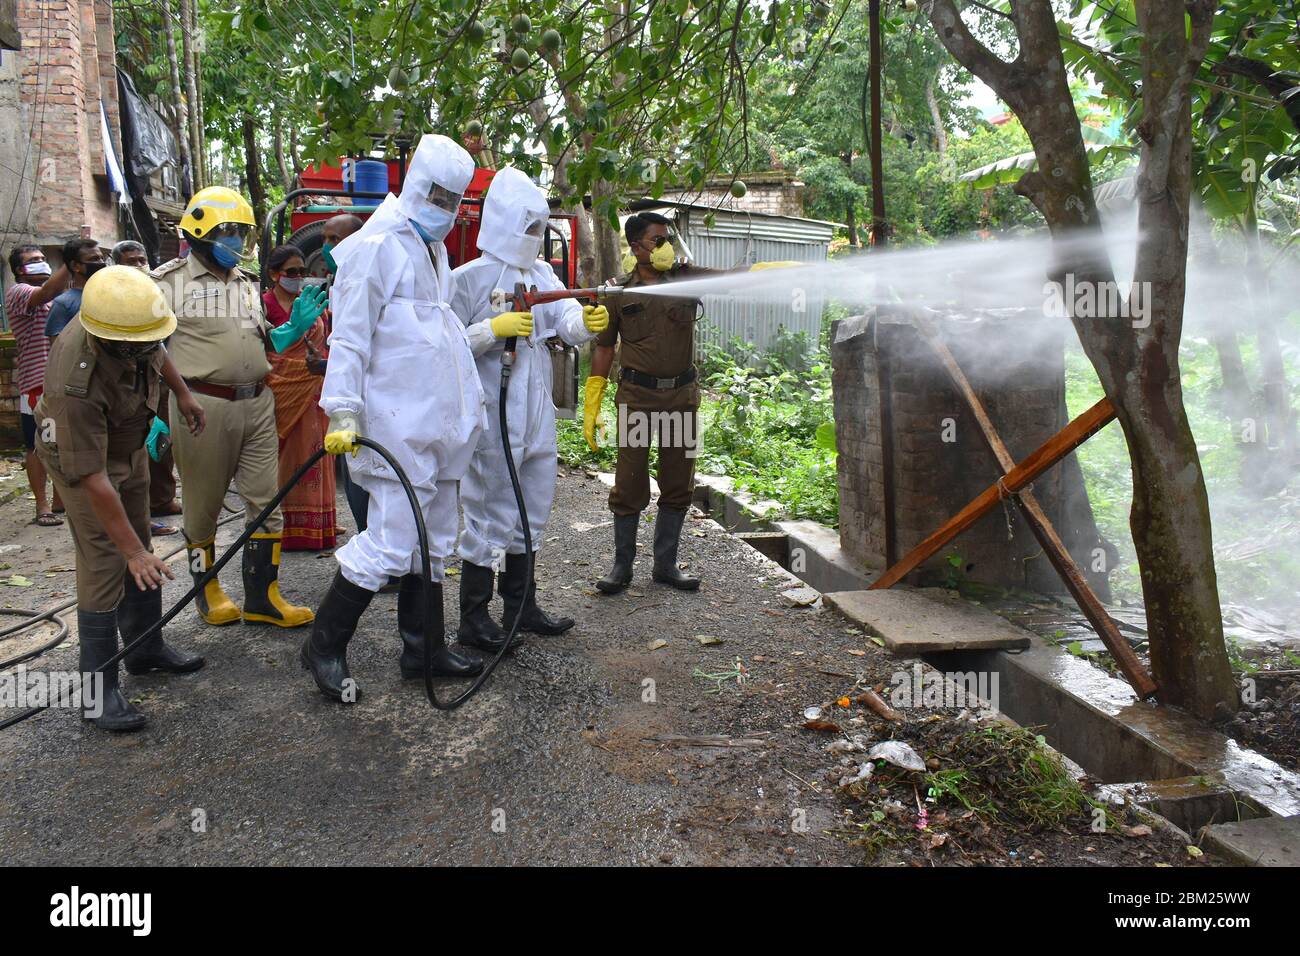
column 220, row 346
column 101, row 390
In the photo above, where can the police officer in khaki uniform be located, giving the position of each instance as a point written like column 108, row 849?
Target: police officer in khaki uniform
column 220, row 348
column 657, row 396
column 101, row 390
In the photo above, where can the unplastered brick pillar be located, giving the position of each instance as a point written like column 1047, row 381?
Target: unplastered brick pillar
column 905, row 434
column 66, row 67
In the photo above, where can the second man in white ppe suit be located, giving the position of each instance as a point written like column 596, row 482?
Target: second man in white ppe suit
column 515, row 214
column 400, row 372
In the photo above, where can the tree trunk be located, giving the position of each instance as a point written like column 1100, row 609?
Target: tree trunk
column 196, row 35
column 281, row 165
column 192, row 95
column 940, row 133
column 1136, row 359
column 180, row 118
column 584, row 245
column 253, row 168
column 605, row 238
column 879, row 229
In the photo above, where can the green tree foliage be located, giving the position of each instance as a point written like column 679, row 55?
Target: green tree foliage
column 633, row 96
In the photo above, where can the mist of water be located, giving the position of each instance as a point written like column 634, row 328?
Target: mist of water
column 963, row 278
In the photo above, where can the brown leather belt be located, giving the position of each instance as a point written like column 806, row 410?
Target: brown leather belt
column 231, row 393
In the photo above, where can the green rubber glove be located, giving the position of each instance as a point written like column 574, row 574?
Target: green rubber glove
column 156, row 431
column 307, row 308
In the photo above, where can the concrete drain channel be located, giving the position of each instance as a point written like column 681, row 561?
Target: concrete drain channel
column 1231, row 800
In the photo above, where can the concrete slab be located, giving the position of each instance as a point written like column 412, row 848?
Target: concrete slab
column 1270, row 841
column 912, row 622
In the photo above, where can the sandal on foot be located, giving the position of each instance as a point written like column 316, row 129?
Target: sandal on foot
column 47, row 519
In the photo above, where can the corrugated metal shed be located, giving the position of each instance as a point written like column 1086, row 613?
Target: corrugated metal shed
column 733, row 240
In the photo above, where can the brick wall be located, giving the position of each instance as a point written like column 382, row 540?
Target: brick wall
column 777, row 194
column 11, row 435
column 939, row 457
column 65, row 67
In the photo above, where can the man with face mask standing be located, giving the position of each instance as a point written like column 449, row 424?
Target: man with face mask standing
column 220, row 346
column 84, row 258
column 401, row 373
column 515, row 214
column 657, row 395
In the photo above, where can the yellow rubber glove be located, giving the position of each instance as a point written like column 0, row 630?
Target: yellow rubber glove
column 779, row 264
column 591, row 408
column 595, row 318
column 341, row 433
column 513, row 323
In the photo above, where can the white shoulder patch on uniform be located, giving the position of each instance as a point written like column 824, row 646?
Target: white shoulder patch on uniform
column 171, row 265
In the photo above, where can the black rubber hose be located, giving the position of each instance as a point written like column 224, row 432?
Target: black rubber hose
column 34, row 618
column 421, row 533
column 212, row 572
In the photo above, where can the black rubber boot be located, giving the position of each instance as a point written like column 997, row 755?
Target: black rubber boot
column 138, row 612
column 324, row 653
column 476, row 624
column 103, row 703
column 263, row 603
column 620, row 576
column 447, row 661
column 668, row 532
column 516, row 589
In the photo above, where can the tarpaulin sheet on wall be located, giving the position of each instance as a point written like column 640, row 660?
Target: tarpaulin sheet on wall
column 146, row 139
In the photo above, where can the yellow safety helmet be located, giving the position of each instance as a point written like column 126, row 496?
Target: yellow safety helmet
column 123, row 304
column 218, row 214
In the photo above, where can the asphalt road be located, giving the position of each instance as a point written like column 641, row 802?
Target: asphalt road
column 572, row 754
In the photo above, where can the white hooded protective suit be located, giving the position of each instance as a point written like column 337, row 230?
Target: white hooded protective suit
column 510, row 237
column 400, row 360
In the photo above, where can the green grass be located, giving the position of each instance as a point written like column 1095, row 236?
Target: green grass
column 765, row 421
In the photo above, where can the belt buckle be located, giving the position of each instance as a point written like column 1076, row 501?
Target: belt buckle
column 665, row 383
column 243, row 392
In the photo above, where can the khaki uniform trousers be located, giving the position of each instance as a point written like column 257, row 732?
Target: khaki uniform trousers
column 669, row 417
column 101, row 567
column 240, row 443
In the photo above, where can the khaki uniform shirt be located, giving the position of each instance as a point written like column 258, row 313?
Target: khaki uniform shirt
column 657, row 332
column 221, row 328
column 95, row 406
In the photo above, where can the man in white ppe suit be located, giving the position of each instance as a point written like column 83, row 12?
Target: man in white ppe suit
column 515, row 214
column 401, row 373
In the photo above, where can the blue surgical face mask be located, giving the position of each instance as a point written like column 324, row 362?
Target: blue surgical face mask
column 434, row 223
column 225, row 252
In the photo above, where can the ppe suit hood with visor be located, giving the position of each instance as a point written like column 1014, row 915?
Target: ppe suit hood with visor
column 398, row 356
column 437, row 178
column 515, row 214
